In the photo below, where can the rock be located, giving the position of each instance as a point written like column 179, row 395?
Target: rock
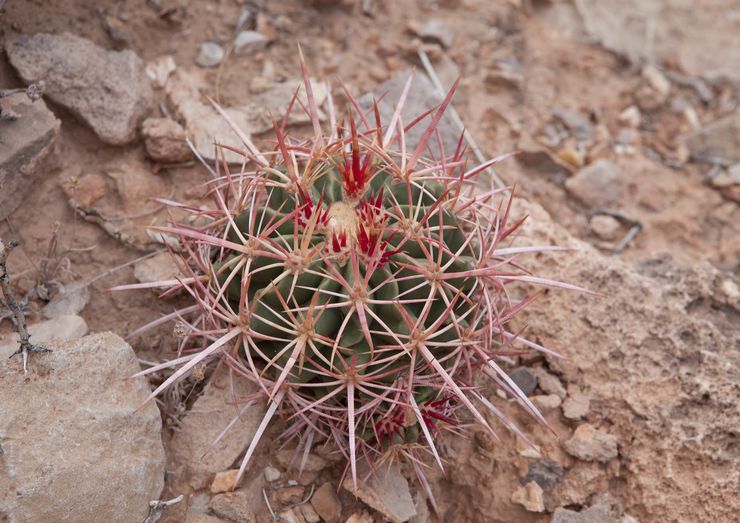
column 718, row 142
column 387, row 491
column 434, row 31
column 204, row 124
column 25, row 143
column 545, row 473
column 576, row 405
column 234, row 506
column 309, row 514
column 728, row 182
column 506, row 72
column 71, row 300
column 289, row 495
column 530, row 497
column 549, row 383
column 289, row 459
column 546, row 402
column 599, row 184
column 421, row 97
column 248, row 42
column 60, row 328
column 108, row 90
column 525, row 379
column 292, row 515
column 605, row 227
column 224, row 481
column 656, row 80
column 590, row 444
column 272, row 474
column 360, row 517
column 326, row 503
column 73, row 439
column 631, row 117
column 602, row 512
column 581, row 128
column 160, row 69
column 210, row 414
column 164, row 140
column 210, row 54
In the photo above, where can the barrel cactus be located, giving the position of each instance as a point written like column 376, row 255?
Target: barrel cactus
column 359, row 283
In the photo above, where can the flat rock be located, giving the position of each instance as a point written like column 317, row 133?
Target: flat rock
column 386, row 491
column 72, row 438
column 599, row 184
column 421, row 97
column 210, row 54
column 208, row 417
column 590, row 444
column 159, row 267
column 108, row 90
column 530, row 497
column 25, row 142
column 247, row 42
column 60, row 328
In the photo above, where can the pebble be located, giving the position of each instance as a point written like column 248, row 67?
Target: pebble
column 160, row 69
column 605, row 227
column 657, row 80
column 600, row 512
column 272, row 474
column 546, row 402
column 549, row 383
column 210, row 54
column 530, row 497
column 525, row 379
column 590, row 444
column 576, row 405
column 164, row 140
column 600, row 184
column 360, row 517
column 631, row 116
column 545, row 473
column 247, row 42
column 234, row 506
column 224, row 481
column 309, row 513
column 580, row 127
column 289, row 495
column 326, row 503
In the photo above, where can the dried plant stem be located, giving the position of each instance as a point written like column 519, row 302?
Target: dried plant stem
column 26, row 346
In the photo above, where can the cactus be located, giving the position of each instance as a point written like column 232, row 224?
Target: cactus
column 360, row 285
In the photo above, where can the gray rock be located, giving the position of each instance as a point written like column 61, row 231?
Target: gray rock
column 599, row 184
column 60, row 328
column 581, row 128
column 247, row 42
column 717, row 142
column 590, row 444
column 108, row 90
column 421, row 97
column 435, row 31
column 74, row 446
column 525, row 379
column 387, row 491
column 272, row 474
column 210, row 54
column 209, row 416
column 544, row 472
column 25, row 143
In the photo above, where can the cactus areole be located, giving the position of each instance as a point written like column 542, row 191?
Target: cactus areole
column 358, row 282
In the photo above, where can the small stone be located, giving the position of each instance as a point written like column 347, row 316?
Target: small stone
column 248, row 42
column 590, row 444
column 292, row 515
column 164, row 140
column 73, row 439
column 576, row 405
column 210, row 54
column 159, row 267
column 309, row 513
column 326, row 503
column 60, row 328
column 545, row 473
column 549, row 383
column 387, row 491
column 599, row 184
column 606, row 227
column 546, row 402
column 289, row 495
column 571, row 156
column 631, row 116
column 360, row 517
column 435, row 31
column 233, row 506
column 657, row 80
column 525, row 379
column 71, row 300
column 581, row 128
column 601, row 513
column 24, row 145
column 718, row 142
column 108, row 90
column 272, row 474
column 160, row 69
column 530, row 497
column 224, row 481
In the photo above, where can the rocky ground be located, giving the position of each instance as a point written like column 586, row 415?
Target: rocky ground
column 627, row 122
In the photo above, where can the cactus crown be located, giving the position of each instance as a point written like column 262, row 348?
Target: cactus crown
column 358, row 284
